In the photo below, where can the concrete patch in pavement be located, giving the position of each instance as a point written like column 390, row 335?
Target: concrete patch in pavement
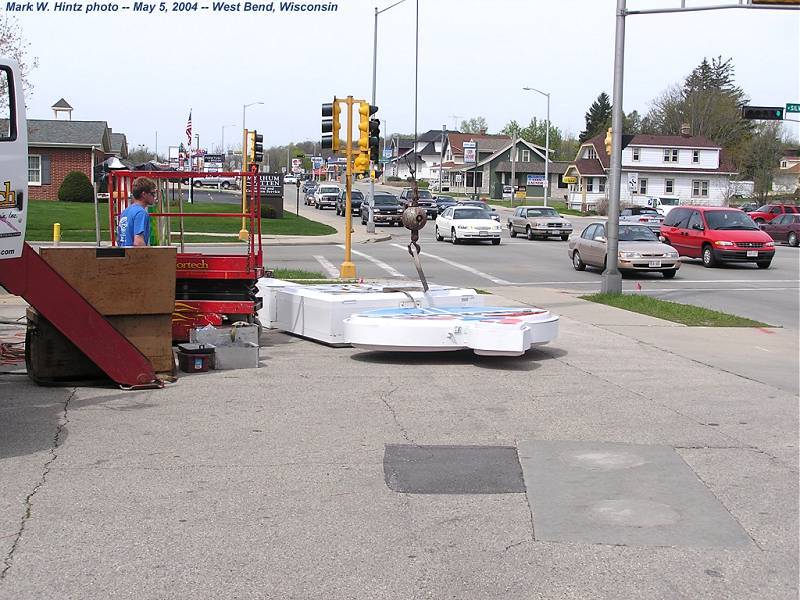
column 624, row 494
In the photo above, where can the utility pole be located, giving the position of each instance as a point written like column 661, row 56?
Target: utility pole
column 441, row 157
column 347, row 270
column 513, row 168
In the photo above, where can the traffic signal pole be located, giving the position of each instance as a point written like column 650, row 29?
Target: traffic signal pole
column 243, row 235
column 347, row 270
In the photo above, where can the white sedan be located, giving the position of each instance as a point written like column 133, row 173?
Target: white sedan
column 458, row 223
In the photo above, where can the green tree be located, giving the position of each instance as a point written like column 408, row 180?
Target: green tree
column 598, row 117
column 76, row 187
column 474, row 125
column 761, row 155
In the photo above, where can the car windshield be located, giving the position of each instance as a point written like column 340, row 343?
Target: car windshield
column 355, row 194
column 471, row 213
column 445, row 199
column 636, row 233
column 648, row 211
column 384, row 199
column 764, row 208
column 423, row 195
column 729, row 219
column 542, row 212
column 328, row 190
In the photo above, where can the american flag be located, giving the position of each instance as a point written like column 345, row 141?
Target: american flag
column 189, row 128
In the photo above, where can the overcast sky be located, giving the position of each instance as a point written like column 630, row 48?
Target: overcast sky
column 143, row 72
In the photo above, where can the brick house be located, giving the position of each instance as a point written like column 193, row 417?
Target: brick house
column 57, row 147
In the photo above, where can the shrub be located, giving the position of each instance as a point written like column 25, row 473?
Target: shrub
column 76, row 187
column 602, row 207
column 268, row 212
column 393, row 178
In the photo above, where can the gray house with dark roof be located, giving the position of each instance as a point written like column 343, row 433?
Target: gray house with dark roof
column 57, row 147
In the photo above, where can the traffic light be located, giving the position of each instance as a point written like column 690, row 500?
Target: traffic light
column 330, row 125
column 608, row 141
column 255, row 153
column 374, row 139
column 365, row 111
column 763, row 113
column 361, row 163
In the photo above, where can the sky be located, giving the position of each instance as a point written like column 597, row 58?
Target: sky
column 143, row 72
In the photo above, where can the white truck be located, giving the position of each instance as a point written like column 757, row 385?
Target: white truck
column 663, row 204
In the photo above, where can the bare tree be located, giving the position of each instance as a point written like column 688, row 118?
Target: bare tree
column 15, row 46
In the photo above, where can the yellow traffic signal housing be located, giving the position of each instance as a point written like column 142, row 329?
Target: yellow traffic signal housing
column 361, row 163
column 608, row 141
column 363, row 126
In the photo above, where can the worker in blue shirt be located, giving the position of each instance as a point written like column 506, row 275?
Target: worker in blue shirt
column 134, row 222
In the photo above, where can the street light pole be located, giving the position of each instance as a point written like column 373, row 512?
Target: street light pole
column 370, row 217
column 546, row 191
column 243, row 235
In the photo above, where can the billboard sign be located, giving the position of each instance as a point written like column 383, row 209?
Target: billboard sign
column 535, row 179
column 213, row 162
column 271, row 185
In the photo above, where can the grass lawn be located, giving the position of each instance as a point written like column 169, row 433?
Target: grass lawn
column 77, row 222
column 687, row 314
column 560, row 207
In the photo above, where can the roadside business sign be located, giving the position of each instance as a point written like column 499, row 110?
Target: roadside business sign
column 213, row 162
column 535, row 179
column 271, row 184
column 569, row 179
column 387, row 155
column 317, row 162
column 470, row 149
column 793, row 107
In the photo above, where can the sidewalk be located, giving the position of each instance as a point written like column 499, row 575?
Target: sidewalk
column 271, row 482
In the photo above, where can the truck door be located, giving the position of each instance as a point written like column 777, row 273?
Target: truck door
column 13, row 163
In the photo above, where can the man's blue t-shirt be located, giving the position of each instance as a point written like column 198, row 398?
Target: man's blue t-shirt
column 133, row 221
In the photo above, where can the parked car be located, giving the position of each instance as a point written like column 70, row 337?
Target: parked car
column 426, row 201
column 784, row 228
column 385, row 209
column 326, row 195
column 225, row 183
column 309, row 193
column 538, row 221
column 443, row 202
column 308, row 186
column 481, row 204
column 765, row 214
column 287, row 179
column 459, row 223
column 356, row 198
column 748, row 207
column 639, row 249
column 717, row 234
column 642, row 215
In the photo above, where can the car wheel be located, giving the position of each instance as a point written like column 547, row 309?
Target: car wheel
column 564, row 238
column 496, row 242
column 708, row 257
column 577, row 261
column 529, row 232
column 793, row 238
column 226, row 185
column 669, row 274
column 764, row 264
column 511, row 231
column 439, row 237
column 453, row 236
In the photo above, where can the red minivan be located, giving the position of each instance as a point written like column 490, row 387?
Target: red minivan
column 717, row 234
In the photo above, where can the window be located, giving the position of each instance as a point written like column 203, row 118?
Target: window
column 642, row 185
column 601, row 185
column 695, row 220
column 589, row 183
column 779, row 220
column 677, row 217
column 471, row 179
column 8, row 116
column 525, row 155
column 625, row 212
column 590, row 153
column 561, row 184
column 775, row 210
column 700, row 188
column 696, row 156
column 669, row 186
column 34, row 170
column 784, row 164
column 670, row 155
column 636, row 154
column 588, row 233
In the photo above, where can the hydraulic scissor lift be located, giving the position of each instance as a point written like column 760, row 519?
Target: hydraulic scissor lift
column 211, row 287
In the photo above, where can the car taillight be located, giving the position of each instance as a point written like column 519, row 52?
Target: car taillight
column 643, row 219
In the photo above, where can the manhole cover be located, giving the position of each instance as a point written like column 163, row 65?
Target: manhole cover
column 452, row 469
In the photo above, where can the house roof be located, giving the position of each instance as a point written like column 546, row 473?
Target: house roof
column 61, row 104
column 531, row 167
column 119, row 144
column 589, row 166
column 51, row 132
column 485, row 141
column 793, row 170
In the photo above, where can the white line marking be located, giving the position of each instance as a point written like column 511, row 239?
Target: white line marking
column 722, row 289
column 762, row 349
column 388, row 268
column 328, row 266
column 462, row 267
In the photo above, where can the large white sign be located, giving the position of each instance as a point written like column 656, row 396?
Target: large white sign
column 533, row 179
column 470, row 150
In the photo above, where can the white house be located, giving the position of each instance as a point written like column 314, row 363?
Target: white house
column 428, row 155
column 691, row 168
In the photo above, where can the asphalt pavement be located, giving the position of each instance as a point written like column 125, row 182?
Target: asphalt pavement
column 621, row 461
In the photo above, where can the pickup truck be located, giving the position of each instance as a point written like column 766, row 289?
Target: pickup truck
column 765, row 214
column 225, row 183
column 662, row 204
column 425, row 201
column 326, row 195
